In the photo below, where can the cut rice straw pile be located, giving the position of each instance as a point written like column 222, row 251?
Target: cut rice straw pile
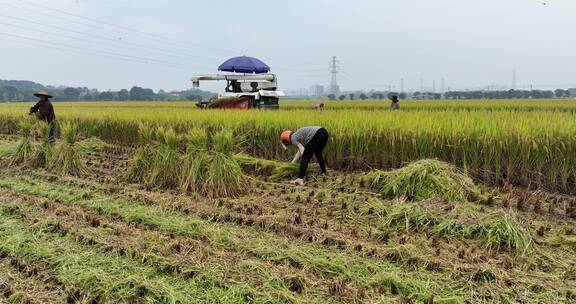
column 425, row 179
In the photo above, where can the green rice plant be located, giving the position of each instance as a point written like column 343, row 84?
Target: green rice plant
column 24, row 151
column 423, row 180
column 67, row 156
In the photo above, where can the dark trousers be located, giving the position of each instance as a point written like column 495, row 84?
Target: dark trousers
column 53, row 130
column 314, row 147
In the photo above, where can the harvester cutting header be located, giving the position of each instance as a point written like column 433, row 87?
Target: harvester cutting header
column 253, row 87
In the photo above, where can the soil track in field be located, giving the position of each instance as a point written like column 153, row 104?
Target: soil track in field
column 321, row 243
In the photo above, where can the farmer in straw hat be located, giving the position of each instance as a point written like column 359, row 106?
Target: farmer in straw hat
column 309, row 141
column 45, row 111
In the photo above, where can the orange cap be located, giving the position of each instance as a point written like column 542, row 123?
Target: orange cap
column 285, row 137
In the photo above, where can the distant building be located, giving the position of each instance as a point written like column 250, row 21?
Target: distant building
column 572, row 92
column 317, row 90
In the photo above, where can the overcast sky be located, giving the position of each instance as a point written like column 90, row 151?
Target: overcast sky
column 161, row 44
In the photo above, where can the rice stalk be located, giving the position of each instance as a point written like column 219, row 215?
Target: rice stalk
column 44, row 151
column 498, row 232
column 67, row 157
column 223, row 142
column 284, row 171
column 192, row 174
column 196, row 140
column 165, row 162
column 24, row 151
column 224, row 178
column 503, row 232
column 258, row 166
column 425, row 179
column 142, row 161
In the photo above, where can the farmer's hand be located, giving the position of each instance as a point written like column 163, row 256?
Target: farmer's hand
column 298, row 181
column 297, row 156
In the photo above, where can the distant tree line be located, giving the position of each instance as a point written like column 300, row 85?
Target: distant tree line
column 19, row 91
column 478, row 94
column 509, row 94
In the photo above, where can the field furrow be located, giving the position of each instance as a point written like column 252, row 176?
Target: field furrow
column 172, row 254
column 319, row 260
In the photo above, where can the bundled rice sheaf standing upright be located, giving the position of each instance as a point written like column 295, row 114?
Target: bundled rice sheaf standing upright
column 224, row 177
column 165, row 161
column 142, row 161
column 67, row 157
column 35, row 149
column 24, row 151
column 44, row 151
column 206, row 166
column 195, row 163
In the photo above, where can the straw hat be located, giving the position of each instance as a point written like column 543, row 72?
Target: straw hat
column 43, row 93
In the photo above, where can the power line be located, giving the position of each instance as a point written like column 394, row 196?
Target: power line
column 119, row 29
column 118, row 40
column 129, row 45
column 79, row 52
column 99, row 52
column 98, row 36
column 124, row 28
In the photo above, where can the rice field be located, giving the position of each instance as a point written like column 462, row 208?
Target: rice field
column 496, row 142
column 448, row 202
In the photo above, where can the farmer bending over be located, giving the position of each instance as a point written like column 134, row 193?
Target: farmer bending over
column 318, row 107
column 45, row 112
column 308, row 140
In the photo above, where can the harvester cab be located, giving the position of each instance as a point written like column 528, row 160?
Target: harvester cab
column 244, row 91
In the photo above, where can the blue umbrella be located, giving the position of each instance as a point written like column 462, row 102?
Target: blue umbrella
column 244, row 64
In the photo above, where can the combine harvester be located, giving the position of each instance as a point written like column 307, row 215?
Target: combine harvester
column 253, row 88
